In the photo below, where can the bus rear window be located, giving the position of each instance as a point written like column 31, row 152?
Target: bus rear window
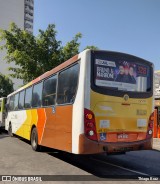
column 122, row 75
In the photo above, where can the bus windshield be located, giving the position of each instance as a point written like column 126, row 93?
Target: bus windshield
column 122, row 75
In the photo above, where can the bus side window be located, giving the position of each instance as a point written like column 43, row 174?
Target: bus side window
column 28, row 98
column 11, row 103
column 37, row 95
column 67, row 85
column 16, row 102
column 21, row 100
column 49, row 91
column 7, row 104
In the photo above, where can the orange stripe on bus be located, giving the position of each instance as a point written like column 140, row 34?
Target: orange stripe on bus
column 49, row 129
column 40, row 123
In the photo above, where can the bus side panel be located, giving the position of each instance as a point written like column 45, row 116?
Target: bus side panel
column 24, row 126
column 56, row 129
column 64, row 128
column 22, row 122
column 41, row 123
column 47, row 127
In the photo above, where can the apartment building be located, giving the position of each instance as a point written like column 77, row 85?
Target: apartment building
column 22, row 13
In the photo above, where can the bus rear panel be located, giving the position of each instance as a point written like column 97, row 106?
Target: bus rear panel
column 120, row 116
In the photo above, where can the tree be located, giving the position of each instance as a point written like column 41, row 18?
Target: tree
column 32, row 55
column 71, row 48
column 6, row 86
column 91, row 47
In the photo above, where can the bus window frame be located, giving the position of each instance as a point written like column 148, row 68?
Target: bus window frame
column 31, row 86
column 71, row 103
column 116, row 93
column 9, row 102
column 41, row 81
column 23, row 100
column 55, row 74
column 18, row 101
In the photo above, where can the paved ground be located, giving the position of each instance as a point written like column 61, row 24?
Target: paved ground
column 17, row 158
column 156, row 144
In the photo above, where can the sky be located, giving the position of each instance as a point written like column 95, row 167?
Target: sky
column 128, row 26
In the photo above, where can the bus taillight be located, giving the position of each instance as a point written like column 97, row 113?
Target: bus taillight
column 89, row 116
column 150, row 124
column 89, row 125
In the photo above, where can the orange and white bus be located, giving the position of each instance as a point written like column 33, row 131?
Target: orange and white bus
column 97, row 101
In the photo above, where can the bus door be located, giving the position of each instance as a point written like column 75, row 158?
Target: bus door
column 2, row 111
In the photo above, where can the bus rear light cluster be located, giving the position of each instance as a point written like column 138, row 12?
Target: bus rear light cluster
column 150, row 126
column 89, row 116
column 89, row 125
column 150, row 132
column 91, row 133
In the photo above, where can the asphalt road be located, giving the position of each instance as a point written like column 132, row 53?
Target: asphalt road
column 18, row 158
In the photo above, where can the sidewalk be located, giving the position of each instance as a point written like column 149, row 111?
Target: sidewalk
column 156, row 143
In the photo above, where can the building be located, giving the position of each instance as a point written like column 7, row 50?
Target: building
column 21, row 12
column 157, row 85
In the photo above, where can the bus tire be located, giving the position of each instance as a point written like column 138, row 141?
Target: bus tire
column 34, row 139
column 10, row 130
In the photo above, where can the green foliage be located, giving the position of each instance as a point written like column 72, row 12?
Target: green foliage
column 32, row 55
column 91, row 47
column 71, row 48
column 6, row 86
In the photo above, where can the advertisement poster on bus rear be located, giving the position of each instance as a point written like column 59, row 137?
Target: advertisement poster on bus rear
column 122, row 75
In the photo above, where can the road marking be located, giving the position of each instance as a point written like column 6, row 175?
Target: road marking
column 137, row 172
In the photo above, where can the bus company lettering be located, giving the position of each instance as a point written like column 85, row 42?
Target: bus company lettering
column 105, row 72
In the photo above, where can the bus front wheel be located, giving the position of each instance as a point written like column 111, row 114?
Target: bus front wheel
column 34, row 140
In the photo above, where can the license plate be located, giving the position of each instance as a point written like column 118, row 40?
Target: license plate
column 122, row 136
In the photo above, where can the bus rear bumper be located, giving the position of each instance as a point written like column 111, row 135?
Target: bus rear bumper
column 87, row 146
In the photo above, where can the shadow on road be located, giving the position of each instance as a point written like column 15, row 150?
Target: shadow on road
column 3, row 133
column 156, row 150
column 129, row 166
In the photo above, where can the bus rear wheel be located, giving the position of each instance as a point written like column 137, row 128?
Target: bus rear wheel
column 34, row 140
column 10, row 130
